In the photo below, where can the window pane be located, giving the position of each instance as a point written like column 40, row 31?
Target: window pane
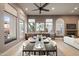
column 31, row 25
column 49, row 26
column 39, row 26
column 31, row 20
column 48, row 20
column 21, row 28
column 9, row 27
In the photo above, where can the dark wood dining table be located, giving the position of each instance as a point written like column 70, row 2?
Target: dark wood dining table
column 48, row 48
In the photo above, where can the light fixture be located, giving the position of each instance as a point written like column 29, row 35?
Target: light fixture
column 75, row 8
column 53, row 8
column 72, row 11
column 26, row 9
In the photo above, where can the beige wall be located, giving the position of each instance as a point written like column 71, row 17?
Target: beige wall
column 4, row 47
column 1, row 29
column 68, row 19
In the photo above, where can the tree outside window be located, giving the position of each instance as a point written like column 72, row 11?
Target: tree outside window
column 31, row 25
column 39, row 26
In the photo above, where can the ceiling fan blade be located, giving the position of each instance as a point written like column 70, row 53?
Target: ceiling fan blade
column 45, row 5
column 35, row 9
column 45, row 9
column 36, row 5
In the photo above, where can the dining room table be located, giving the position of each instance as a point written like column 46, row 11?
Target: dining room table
column 42, row 46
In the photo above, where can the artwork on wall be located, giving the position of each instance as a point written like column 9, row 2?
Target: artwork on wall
column 9, row 27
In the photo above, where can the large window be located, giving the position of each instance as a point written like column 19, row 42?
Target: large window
column 31, row 25
column 21, row 28
column 49, row 25
column 59, row 27
column 9, row 27
column 40, row 26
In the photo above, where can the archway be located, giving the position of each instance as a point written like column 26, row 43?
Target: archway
column 59, row 27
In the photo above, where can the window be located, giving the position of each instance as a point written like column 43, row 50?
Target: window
column 21, row 28
column 49, row 25
column 9, row 27
column 31, row 25
column 59, row 27
column 39, row 26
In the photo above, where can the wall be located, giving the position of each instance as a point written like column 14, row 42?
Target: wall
column 40, row 18
column 4, row 47
column 68, row 19
column 1, row 29
column 78, row 27
column 73, row 19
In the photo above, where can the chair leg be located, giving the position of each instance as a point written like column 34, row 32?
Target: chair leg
column 47, row 53
column 39, row 53
column 22, row 53
column 56, row 53
column 29, row 53
column 56, row 50
column 44, row 52
column 34, row 53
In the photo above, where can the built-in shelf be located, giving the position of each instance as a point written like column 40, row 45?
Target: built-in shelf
column 71, row 32
column 71, row 29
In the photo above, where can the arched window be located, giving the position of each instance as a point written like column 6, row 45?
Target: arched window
column 59, row 27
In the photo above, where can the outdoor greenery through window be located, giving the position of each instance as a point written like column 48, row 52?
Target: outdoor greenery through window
column 42, row 26
column 31, row 25
column 39, row 26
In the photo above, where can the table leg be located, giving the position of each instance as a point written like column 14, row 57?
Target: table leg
column 22, row 53
column 34, row 52
column 44, row 52
column 47, row 53
column 56, row 50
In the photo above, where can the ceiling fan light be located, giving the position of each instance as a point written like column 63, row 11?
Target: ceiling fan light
column 72, row 11
column 26, row 9
column 53, row 8
column 75, row 8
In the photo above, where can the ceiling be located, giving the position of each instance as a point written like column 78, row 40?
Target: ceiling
column 60, row 8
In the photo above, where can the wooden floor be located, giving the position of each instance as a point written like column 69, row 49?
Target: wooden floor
column 66, row 49
column 63, row 49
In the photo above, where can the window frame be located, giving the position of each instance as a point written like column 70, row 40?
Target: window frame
column 51, row 22
column 28, row 25
column 8, row 41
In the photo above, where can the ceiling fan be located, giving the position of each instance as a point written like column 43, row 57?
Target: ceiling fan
column 41, row 8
